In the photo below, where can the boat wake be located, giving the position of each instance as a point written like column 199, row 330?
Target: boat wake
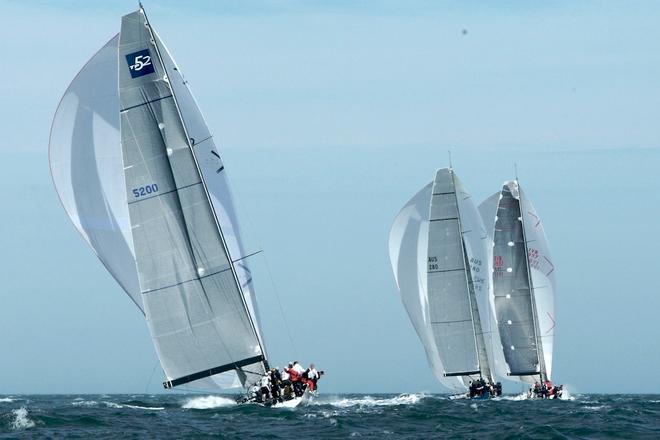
column 368, row 401
column 21, row 419
column 208, row 402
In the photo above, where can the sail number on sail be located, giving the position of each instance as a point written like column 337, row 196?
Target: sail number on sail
column 145, row 190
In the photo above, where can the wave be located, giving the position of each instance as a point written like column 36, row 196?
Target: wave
column 208, row 402
column 368, row 401
column 126, row 405
column 6, row 400
column 21, row 419
column 80, row 402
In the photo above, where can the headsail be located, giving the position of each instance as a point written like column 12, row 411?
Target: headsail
column 523, row 283
column 199, row 319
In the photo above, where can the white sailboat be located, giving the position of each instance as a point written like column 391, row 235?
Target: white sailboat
column 523, row 284
column 438, row 251
column 138, row 173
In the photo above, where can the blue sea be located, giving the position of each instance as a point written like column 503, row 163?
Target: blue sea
column 414, row 416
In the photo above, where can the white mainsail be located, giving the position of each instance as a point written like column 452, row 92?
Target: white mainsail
column 523, row 283
column 138, row 174
column 438, row 255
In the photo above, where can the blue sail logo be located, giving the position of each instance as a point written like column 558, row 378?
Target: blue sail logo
column 139, row 63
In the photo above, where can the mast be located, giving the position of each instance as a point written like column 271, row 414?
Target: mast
column 238, row 365
column 537, row 331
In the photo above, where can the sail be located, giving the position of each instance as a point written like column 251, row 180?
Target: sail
column 215, row 178
column 408, row 243
column 487, row 211
column 199, row 319
column 542, row 270
column 476, row 243
column 452, row 306
column 513, row 290
column 86, row 166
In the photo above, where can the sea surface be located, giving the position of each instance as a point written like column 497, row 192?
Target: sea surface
column 328, row 416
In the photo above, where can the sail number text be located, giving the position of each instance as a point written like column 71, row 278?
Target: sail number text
column 145, row 190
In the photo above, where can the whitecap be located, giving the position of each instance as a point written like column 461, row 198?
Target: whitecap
column 368, row 401
column 80, row 402
column 208, row 402
column 125, row 405
column 6, row 400
column 21, row 419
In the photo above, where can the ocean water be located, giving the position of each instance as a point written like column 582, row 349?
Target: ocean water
column 328, row 416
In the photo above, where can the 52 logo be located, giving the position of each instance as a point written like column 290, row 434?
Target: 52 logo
column 139, row 63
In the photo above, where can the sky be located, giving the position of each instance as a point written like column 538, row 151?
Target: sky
column 330, row 116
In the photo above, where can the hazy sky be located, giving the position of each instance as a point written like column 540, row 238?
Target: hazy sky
column 331, row 115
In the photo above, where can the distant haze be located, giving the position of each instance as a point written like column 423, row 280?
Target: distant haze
column 330, row 116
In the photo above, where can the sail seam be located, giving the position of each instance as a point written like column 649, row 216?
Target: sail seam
column 184, row 282
column 443, row 219
column 446, row 270
column 144, row 103
column 451, row 322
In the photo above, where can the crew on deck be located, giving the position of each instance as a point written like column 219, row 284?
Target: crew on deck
column 291, row 382
column 546, row 390
column 480, row 389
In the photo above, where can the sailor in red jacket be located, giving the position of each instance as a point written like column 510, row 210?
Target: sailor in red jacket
column 295, row 378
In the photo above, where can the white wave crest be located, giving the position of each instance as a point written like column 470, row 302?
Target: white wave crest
column 77, row 402
column 6, row 400
column 368, row 401
column 208, row 402
column 21, row 419
column 125, row 405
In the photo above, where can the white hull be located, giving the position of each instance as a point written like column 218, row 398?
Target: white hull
column 289, row 403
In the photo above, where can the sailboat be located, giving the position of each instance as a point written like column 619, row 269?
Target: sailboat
column 438, row 252
column 523, row 284
column 138, row 173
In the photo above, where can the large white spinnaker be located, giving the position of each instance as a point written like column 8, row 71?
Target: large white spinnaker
column 139, row 175
column 523, row 283
column 86, row 166
column 408, row 244
column 438, row 254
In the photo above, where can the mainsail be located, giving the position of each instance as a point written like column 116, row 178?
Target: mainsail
column 441, row 231
column 139, row 175
column 522, row 283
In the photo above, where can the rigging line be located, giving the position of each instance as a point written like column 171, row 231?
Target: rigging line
column 153, row 370
column 248, row 256
column 246, row 215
